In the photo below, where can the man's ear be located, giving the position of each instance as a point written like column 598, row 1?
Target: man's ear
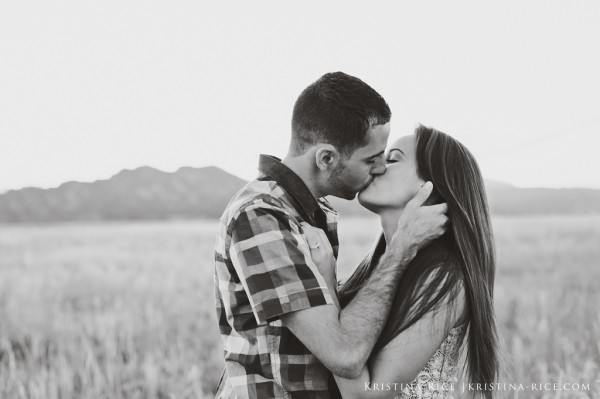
column 327, row 157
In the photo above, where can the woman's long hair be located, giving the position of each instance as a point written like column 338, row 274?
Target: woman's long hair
column 463, row 256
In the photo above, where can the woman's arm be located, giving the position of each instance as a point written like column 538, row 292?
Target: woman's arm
column 401, row 360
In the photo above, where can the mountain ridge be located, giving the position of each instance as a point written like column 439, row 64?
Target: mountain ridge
column 149, row 193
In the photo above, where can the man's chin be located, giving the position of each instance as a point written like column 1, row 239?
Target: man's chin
column 363, row 189
column 351, row 195
column 348, row 196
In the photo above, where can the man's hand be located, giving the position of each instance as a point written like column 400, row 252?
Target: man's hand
column 419, row 224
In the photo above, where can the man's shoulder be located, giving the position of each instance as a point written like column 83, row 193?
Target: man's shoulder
column 263, row 194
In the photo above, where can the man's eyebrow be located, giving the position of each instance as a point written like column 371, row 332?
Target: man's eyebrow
column 375, row 155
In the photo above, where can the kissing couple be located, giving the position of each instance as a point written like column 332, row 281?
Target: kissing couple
column 422, row 298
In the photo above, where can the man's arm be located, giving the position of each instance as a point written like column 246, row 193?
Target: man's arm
column 401, row 359
column 343, row 339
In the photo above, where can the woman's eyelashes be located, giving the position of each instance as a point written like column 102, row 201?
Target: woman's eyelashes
column 395, row 155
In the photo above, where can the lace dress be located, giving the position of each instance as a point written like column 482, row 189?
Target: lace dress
column 439, row 376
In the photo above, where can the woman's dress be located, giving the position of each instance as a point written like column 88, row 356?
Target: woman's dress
column 439, row 378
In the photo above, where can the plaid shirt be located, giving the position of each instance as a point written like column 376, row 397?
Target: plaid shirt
column 263, row 269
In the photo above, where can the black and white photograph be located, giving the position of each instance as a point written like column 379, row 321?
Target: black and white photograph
column 299, row 200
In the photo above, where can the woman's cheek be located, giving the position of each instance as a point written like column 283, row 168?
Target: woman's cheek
column 413, row 188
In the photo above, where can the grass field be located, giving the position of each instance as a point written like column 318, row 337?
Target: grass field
column 126, row 310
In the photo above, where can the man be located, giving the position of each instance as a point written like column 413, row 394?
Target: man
column 282, row 331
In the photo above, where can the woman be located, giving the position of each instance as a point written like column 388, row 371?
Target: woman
column 445, row 296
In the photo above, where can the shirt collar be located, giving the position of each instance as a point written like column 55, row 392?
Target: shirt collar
column 288, row 180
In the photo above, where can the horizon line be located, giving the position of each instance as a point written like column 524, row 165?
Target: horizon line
column 6, row 190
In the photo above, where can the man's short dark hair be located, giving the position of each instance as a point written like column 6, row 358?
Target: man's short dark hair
column 337, row 109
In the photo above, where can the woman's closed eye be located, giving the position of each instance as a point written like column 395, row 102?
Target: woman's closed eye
column 395, row 155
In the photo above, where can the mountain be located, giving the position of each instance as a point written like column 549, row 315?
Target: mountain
column 508, row 200
column 505, row 199
column 143, row 193
column 148, row 193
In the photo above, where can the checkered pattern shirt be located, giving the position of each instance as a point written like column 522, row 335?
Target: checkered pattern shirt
column 263, row 270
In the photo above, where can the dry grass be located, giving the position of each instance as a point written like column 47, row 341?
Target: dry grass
column 127, row 310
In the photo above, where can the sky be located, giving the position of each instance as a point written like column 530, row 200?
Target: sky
column 88, row 88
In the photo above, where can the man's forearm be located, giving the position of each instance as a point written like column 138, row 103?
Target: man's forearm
column 364, row 317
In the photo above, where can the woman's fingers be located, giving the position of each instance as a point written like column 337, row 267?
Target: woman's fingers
column 317, row 241
column 323, row 237
column 320, row 249
column 422, row 195
column 309, row 231
column 312, row 234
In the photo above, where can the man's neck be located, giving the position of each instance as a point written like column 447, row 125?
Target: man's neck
column 304, row 170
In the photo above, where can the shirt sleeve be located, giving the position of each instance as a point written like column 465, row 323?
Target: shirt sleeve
column 273, row 262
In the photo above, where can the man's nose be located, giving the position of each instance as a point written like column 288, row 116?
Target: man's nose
column 379, row 167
